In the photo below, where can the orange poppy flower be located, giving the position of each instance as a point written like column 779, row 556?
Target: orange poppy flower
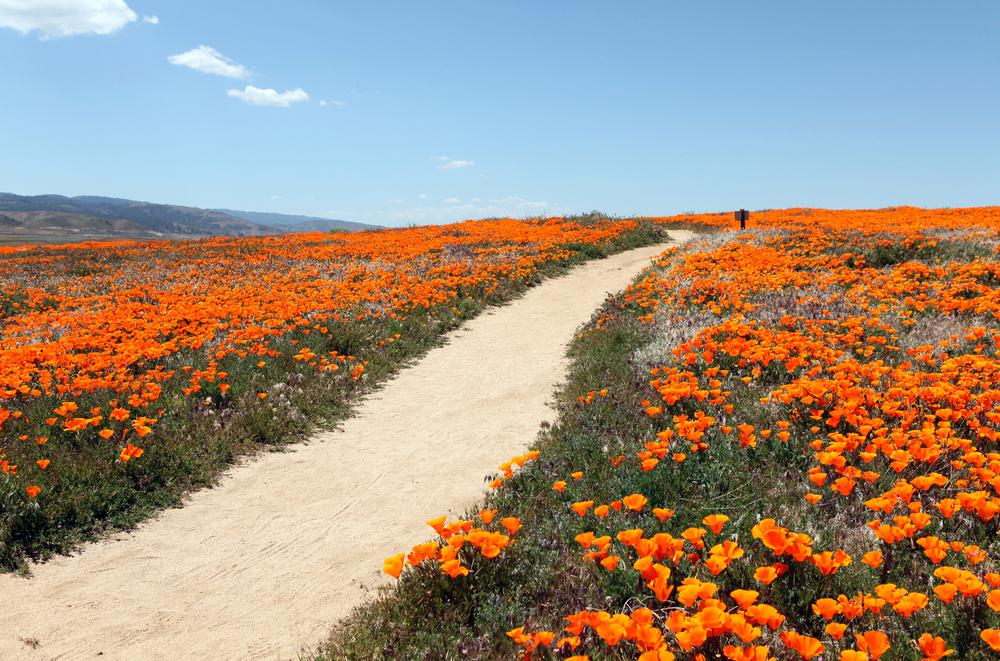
column 933, row 647
column 873, row 559
column 454, row 568
column 437, row 524
column 874, row 643
column 393, row 566
column 635, row 501
column 512, row 524
column 765, row 575
column 853, row 655
column 715, row 522
column 582, row 506
column 662, row 513
column 745, row 598
column 835, row 630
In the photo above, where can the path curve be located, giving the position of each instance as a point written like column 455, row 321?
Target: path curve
column 266, row 562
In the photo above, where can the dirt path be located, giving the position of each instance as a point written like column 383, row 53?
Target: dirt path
column 266, row 562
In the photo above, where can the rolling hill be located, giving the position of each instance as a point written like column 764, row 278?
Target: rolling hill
column 56, row 218
column 295, row 223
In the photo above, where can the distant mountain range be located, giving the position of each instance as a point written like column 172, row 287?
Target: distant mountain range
column 53, row 218
column 294, row 223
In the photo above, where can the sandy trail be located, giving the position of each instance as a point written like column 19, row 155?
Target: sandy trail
column 289, row 542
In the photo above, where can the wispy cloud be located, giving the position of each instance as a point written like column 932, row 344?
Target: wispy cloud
column 326, row 103
column 208, row 60
column 456, row 165
column 151, row 20
column 257, row 96
column 448, row 163
column 65, row 18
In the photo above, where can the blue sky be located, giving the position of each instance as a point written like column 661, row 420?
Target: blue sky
column 443, row 110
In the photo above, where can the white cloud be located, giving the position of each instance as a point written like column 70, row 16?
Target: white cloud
column 64, row 18
column 455, row 164
column 452, row 201
column 422, row 196
column 151, row 20
column 208, row 60
column 323, row 103
column 256, row 96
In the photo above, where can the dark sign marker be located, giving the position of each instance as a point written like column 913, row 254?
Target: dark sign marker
column 742, row 216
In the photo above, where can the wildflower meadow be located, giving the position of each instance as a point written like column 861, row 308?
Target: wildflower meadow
column 778, row 443
column 132, row 372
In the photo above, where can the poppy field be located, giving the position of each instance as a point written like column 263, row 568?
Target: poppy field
column 778, row 443
column 132, row 372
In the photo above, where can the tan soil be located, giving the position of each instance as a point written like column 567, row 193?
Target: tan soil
column 289, row 542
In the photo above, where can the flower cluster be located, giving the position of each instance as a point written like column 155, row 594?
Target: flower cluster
column 100, row 339
column 860, row 352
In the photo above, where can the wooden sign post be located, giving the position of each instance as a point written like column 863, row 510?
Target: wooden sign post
column 742, row 215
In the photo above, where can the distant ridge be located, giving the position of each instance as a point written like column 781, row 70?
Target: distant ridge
column 296, row 223
column 57, row 218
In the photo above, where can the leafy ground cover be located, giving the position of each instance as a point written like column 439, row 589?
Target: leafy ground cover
column 780, row 443
column 131, row 372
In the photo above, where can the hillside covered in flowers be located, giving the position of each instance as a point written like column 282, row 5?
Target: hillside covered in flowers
column 778, row 443
column 132, row 372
